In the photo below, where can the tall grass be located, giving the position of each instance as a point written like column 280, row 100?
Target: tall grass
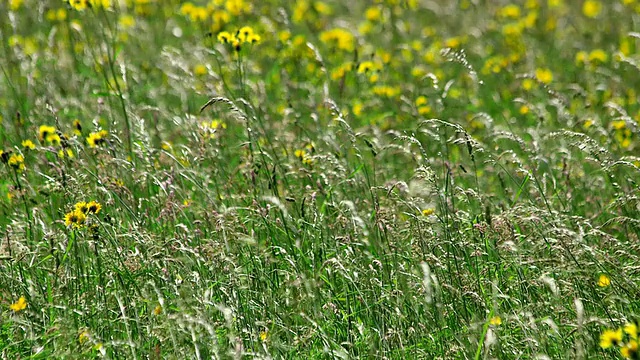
column 395, row 179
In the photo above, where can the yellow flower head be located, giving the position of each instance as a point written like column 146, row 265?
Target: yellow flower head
column 94, row 207
column 545, row 76
column 225, row 37
column 610, row 337
column 244, row 33
column 428, row 212
column 340, row 38
column 631, row 329
column 28, row 144
column 495, row 321
column 604, row 280
column 598, row 55
column 75, row 219
column 97, row 138
column 16, row 162
column 19, row 305
column 45, row 131
column 591, row 8
column 630, row 350
column 79, row 5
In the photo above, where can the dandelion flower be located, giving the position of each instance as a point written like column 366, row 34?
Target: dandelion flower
column 428, row 212
column 545, row 76
column 610, row 337
column 16, row 162
column 495, row 321
column 604, row 280
column 19, row 305
column 630, row 350
column 591, row 8
column 631, row 329
column 28, row 144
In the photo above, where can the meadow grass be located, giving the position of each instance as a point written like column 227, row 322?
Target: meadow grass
column 397, row 179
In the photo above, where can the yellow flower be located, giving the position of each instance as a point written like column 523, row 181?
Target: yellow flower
column 157, row 310
column 340, row 38
column 524, row 110
column 97, row 138
column 28, row 144
column 610, row 337
column 253, row 39
column 630, row 350
column 244, row 33
column 126, row 21
column 510, row 11
column 604, row 280
column 200, row 70
column 94, row 207
column 581, row 57
column 544, row 75
column 366, row 66
column 263, row 336
column 421, row 100
column 19, row 305
column 373, row 14
column 618, row 124
column 83, row 337
column 424, row 110
column 100, row 4
column 16, row 162
column 428, row 212
column 15, row 4
column 225, row 37
column 495, row 321
column 45, row 131
column 631, row 329
column 75, row 218
column 591, row 8
column 598, row 55
column 79, row 5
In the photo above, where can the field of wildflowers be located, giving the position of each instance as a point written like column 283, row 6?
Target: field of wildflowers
column 394, row 179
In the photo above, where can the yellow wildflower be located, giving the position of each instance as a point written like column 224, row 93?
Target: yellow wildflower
column 94, row 207
column 16, row 162
column 630, row 350
column 591, row 8
column 97, row 138
column 631, row 329
column 610, row 337
column 28, row 144
column 495, row 321
column 510, row 11
column 604, row 280
column 19, row 305
column 75, row 219
column 200, row 70
column 340, row 38
column 598, row 55
column 544, row 75
column 15, row 4
column 45, row 131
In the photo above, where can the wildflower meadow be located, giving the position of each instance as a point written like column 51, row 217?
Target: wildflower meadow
column 383, row 179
